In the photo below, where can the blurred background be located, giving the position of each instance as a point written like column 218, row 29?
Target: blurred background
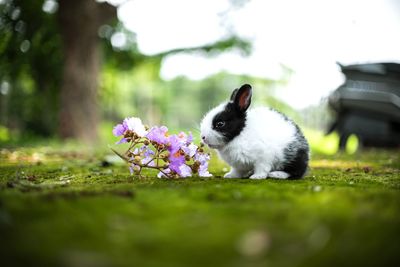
column 71, row 69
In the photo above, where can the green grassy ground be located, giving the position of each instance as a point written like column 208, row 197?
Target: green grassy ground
column 66, row 208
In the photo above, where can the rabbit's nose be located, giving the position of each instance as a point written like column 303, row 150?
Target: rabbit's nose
column 203, row 137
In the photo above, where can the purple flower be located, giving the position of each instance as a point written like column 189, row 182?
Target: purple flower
column 203, row 159
column 147, row 152
column 174, row 144
column 185, row 139
column 175, row 162
column 135, row 125
column 123, row 140
column 149, row 161
column 148, row 156
column 203, row 171
column 180, row 148
column 119, row 130
column 190, row 149
column 158, row 134
column 185, row 171
column 189, row 138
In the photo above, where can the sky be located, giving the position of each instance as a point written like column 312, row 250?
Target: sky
column 308, row 36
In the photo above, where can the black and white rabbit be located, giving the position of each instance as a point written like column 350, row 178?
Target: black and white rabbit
column 256, row 143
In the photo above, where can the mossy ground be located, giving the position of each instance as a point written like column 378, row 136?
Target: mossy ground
column 66, row 208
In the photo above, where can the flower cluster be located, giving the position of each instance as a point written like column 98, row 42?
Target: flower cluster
column 172, row 155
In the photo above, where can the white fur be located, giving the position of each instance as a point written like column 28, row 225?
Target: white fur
column 258, row 150
column 278, row 175
column 214, row 139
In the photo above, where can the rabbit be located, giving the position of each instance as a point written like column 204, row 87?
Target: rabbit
column 257, row 143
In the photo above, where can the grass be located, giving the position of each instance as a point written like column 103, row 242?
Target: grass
column 69, row 208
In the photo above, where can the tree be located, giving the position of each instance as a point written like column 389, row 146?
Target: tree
column 79, row 22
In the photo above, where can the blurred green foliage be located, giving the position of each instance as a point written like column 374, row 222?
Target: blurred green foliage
column 179, row 103
column 28, row 50
column 30, row 77
column 31, row 60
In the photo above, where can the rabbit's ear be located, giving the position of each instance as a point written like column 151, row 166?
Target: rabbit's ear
column 242, row 98
column 234, row 94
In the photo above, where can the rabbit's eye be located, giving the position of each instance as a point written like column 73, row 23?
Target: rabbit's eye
column 220, row 124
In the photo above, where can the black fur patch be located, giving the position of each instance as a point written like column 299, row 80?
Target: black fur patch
column 234, row 121
column 296, row 155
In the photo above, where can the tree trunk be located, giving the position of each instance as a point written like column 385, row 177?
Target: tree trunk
column 79, row 21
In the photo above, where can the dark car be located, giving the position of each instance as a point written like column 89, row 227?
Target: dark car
column 368, row 105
